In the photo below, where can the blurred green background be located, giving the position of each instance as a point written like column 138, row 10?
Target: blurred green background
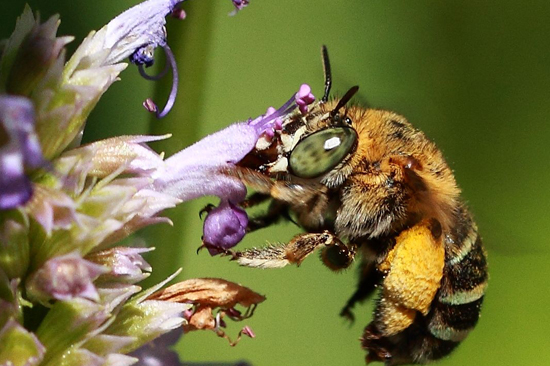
column 473, row 75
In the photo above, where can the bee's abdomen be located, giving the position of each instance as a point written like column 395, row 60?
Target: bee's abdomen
column 455, row 310
column 453, row 313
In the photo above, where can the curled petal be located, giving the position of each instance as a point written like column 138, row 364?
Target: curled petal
column 149, row 104
column 137, row 28
column 138, row 31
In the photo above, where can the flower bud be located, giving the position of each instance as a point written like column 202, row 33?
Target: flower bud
column 125, row 265
column 224, row 227
column 36, row 54
column 65, row 277
column 19, row 346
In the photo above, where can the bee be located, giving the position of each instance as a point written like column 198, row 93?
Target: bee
column 364, row 182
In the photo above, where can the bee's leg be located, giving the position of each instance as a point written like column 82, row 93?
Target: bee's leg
column 376, row 345
column 254, row 200
column 299, row 195
column 281, row 255
column 294, row 191
column 275, row 212
column 206, row 209
column 369, row 278
column 413, row 270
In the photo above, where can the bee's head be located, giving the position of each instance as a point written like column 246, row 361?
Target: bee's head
column 319, row 152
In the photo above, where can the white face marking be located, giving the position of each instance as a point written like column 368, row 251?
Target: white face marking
column 332, row 143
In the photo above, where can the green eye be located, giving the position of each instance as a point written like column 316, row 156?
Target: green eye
column 318, row 153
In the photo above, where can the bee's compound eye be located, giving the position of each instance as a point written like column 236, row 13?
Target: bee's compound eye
column 318, row 153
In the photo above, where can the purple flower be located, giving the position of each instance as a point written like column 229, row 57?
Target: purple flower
column 304, row 98
column 19, row 149
column 224, row 226
column 136, row 33
column 66, row 277
column 125, row 264
column 199, row 170
column 239, row 5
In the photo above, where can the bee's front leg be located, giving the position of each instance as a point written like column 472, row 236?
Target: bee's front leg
column 293, row 252
column 275, row 213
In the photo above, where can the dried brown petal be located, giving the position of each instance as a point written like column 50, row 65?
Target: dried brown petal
column 211, row 292
column 207, row 294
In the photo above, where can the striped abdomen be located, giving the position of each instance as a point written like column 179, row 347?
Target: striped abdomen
column 454, row 311
column 457, row 305
column 456, row 308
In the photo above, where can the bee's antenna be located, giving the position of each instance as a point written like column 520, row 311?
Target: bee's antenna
column 346, row 98
column 326, row 70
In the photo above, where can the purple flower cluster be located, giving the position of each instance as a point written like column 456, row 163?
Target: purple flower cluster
column 65, row 213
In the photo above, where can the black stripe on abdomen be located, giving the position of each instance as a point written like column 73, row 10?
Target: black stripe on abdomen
column 453, row 322
column 456, row 308
column 465, row 275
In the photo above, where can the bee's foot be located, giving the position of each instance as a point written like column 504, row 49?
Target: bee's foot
column 376, row 345
column 206, row 209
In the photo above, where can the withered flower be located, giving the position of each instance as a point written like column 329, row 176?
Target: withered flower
column 208, row 294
